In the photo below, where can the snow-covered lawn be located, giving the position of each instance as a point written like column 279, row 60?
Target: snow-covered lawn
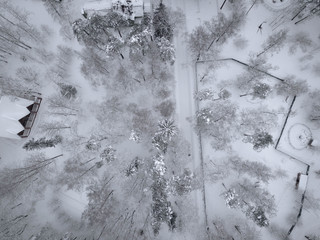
column 110, row 110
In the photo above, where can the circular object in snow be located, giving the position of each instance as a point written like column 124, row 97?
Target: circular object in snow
column 277, row 4
column 299, row 136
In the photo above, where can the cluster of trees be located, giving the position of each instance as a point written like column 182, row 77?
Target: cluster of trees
column 16, row 31
column 163, row 33
column 83, row 166
column 99, row 32
column 59, row 11
column 209, row 94
column 217, row 121
column 234, row 229
column 35, row 172
column 253, row 200
column 220, row 122
column 162, row 185
column 206, row 38
column 161, row 206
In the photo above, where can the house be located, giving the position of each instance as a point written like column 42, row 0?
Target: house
column 130, row 9
column 17, row 116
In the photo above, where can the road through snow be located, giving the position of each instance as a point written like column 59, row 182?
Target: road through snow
column 186, row 85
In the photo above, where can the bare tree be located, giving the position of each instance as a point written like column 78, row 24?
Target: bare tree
column 292, row 87
column 14, row 180
column 224, row 27
column 216, row 122
column 254, row 169
column 233, row 229
column 263, row 119
column 15, row 29
column 28, row 74
column 102, row 204
column 79, row 170
column 54, row 128
column 274, row 42
column 300, row 40
column 254, row 2
column 253, row 200
column 198, row 41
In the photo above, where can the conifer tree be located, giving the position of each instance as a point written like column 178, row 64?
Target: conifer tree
column 42, row 143
column 162, row 27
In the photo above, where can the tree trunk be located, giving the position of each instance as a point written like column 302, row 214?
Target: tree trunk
column 104, row 202
column 23, row 29
column 251, row 7
column 268, row 48
column 85, row 172
column 2, row 50
column 57, row 128
column 64, row 114
column 81, row 164
column 246, row 94
column 54, row 8
column 311, row 13
column 224, row 2
column 299, row 12
column 225, row 31
column 14, row 42
column 119, row 32
column 16, row 206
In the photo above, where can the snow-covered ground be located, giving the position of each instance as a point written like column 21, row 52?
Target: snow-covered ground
column 62, row 208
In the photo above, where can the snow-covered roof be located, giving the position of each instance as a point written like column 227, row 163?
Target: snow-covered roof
column 97, row 6
column 11, row 110
column 103, row 6
column 133, row 2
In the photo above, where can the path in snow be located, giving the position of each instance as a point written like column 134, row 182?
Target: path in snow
column 186, row 84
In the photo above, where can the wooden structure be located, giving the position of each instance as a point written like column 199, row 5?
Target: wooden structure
column 17, row 115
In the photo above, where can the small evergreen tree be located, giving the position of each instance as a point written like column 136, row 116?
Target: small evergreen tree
column 134, row 166
column 42, row 143
column 161, row 23
column 166, row 129
column 161, row 207
column 183, row 184
column 68, row 91
column 260, row 90
column 259, row 140
column 159, row 143
column 167, row 52
column 258, row 216
column 108, row 154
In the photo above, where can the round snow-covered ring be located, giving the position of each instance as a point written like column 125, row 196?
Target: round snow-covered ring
column 299, row 136
column 277, row 5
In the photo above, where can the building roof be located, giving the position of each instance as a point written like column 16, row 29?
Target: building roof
column 94, row 6
column 12, row 109
column 103, row 6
